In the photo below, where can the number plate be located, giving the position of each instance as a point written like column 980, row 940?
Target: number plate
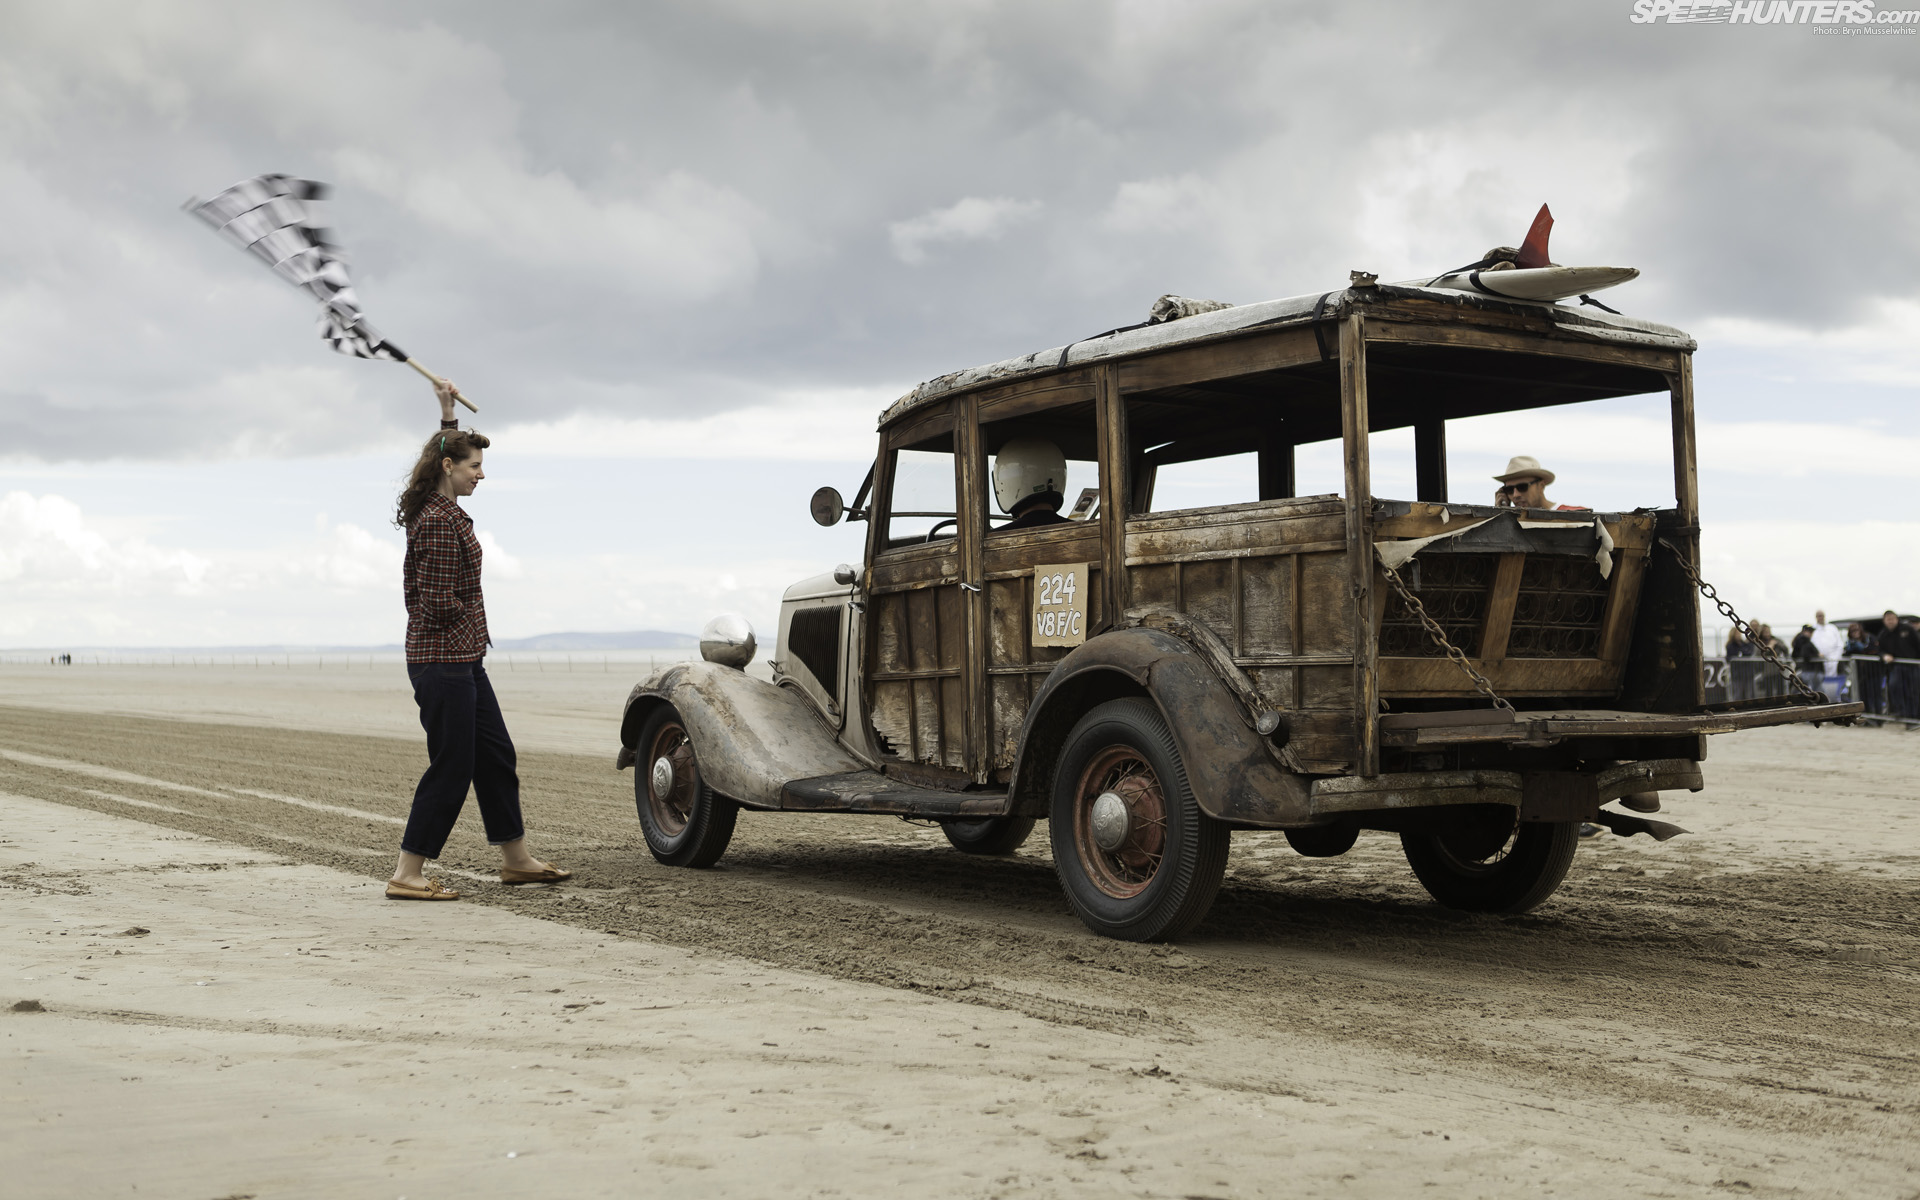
column 1060, row 605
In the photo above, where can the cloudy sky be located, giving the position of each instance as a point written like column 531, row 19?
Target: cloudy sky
column 683, row 253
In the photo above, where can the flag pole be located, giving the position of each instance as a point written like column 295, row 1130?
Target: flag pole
column 471, row 406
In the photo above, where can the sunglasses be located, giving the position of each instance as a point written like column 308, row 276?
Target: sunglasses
column 1517, row 487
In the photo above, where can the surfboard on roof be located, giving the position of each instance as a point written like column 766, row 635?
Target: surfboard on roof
column 1503, row 278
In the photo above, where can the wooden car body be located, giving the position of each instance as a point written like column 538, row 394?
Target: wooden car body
column 1298, row 683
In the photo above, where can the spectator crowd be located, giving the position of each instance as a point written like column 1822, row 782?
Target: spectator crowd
column 1876, row 663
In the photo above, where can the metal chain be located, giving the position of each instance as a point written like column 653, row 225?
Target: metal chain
column 1439, row 636
column 1746, row 631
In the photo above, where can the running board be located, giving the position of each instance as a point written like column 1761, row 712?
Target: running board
column 872, row 792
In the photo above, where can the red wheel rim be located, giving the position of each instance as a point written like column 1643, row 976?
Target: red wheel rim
column 1124, row 871
column 672, row 811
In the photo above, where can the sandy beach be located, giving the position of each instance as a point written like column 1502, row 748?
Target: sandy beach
column 219, row 1003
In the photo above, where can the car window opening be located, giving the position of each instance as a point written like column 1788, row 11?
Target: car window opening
column 922, row 505
column 1024, row 454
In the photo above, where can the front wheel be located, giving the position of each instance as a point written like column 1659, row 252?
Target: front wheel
column 1138, row 859
column 687, row 823
column 988, row 835
column 1490, row 861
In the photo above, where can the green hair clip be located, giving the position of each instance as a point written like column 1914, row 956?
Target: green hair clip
column 443, row 441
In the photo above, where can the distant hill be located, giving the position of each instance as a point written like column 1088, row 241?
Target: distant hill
column 643, row 639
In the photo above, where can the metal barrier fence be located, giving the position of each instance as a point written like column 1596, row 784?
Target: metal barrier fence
column 1890, row 690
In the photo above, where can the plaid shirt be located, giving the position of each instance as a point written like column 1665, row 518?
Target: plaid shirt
column 446, row 616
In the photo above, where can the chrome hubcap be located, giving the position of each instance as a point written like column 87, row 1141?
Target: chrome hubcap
column 662, row 777
column 1109, row 821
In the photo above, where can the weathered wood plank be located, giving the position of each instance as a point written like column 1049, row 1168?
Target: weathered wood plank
column 1326, row 612
column 1686, row 475
column 1266, row 605
column 930, row 422
column 1250, row 512
column 1623, row 601
column 1208, row 594
column 1008, row 603
column 926, row 722
column 1294, row 660
column 1011, row 696
column 953, row 723
column 973, row 716
column 889, row 624
column 891, row 711
column 1220, row 360
column 922, row 640
column 1250, row 534
column 1329, row 687
column 916, row 566
column 951, row 627
column 1191, row 556
column 1115, row 500
column 1155, row 589
column 1025, row 549
column 1275, row 683
column 1436, row 677
column 1523, row 341
column 1022, row 399
column 1359, row 527
column 1501, row 597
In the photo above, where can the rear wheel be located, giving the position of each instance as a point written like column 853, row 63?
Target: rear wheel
column 1491, row 861
column 989, row 835
column 687, row 824
column 1138, row 859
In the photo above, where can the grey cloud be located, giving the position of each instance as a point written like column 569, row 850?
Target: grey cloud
column 643, row 210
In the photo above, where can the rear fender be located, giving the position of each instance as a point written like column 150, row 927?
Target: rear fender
column 751, row 736
column 1236, row 774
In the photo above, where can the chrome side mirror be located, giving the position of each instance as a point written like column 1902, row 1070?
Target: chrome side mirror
column 845, row 575
column 827, row 506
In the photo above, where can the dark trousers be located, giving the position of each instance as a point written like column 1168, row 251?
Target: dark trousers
column 468, row 744
column 1903, row 690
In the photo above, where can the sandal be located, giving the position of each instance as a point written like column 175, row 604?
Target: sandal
column 433, row 891
column 546, row 874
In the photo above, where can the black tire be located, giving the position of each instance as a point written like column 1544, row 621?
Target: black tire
column 691, row 824
column 1493, row 862
column 1160, row 880
column 989, row 835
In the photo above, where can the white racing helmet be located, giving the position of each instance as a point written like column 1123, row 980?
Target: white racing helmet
column 1027, row 467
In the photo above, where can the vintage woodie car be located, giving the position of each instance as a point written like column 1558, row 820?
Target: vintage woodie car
column 1173, row 662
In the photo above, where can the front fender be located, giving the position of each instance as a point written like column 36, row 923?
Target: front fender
column 1235, row 773
column 751, row 736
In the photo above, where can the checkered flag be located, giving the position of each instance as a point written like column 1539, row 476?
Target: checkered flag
column 271, row 216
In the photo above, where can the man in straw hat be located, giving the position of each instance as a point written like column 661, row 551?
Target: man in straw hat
column 1524, row 485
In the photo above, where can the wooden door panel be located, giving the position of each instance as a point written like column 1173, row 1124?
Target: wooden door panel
column 1210, row 594
column 1271, row 579
column 1015, row 666
column 1326, row 605
column 1267, row 611
column 919, row 695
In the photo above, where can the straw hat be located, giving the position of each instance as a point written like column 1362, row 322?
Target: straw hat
column 1525, row 466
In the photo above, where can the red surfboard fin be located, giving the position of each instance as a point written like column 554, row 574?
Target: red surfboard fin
column 1533, row 251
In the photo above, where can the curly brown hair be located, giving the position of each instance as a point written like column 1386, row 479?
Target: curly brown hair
column 456, row 445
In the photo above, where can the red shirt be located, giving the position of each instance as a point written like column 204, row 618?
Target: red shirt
column 446, row 616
